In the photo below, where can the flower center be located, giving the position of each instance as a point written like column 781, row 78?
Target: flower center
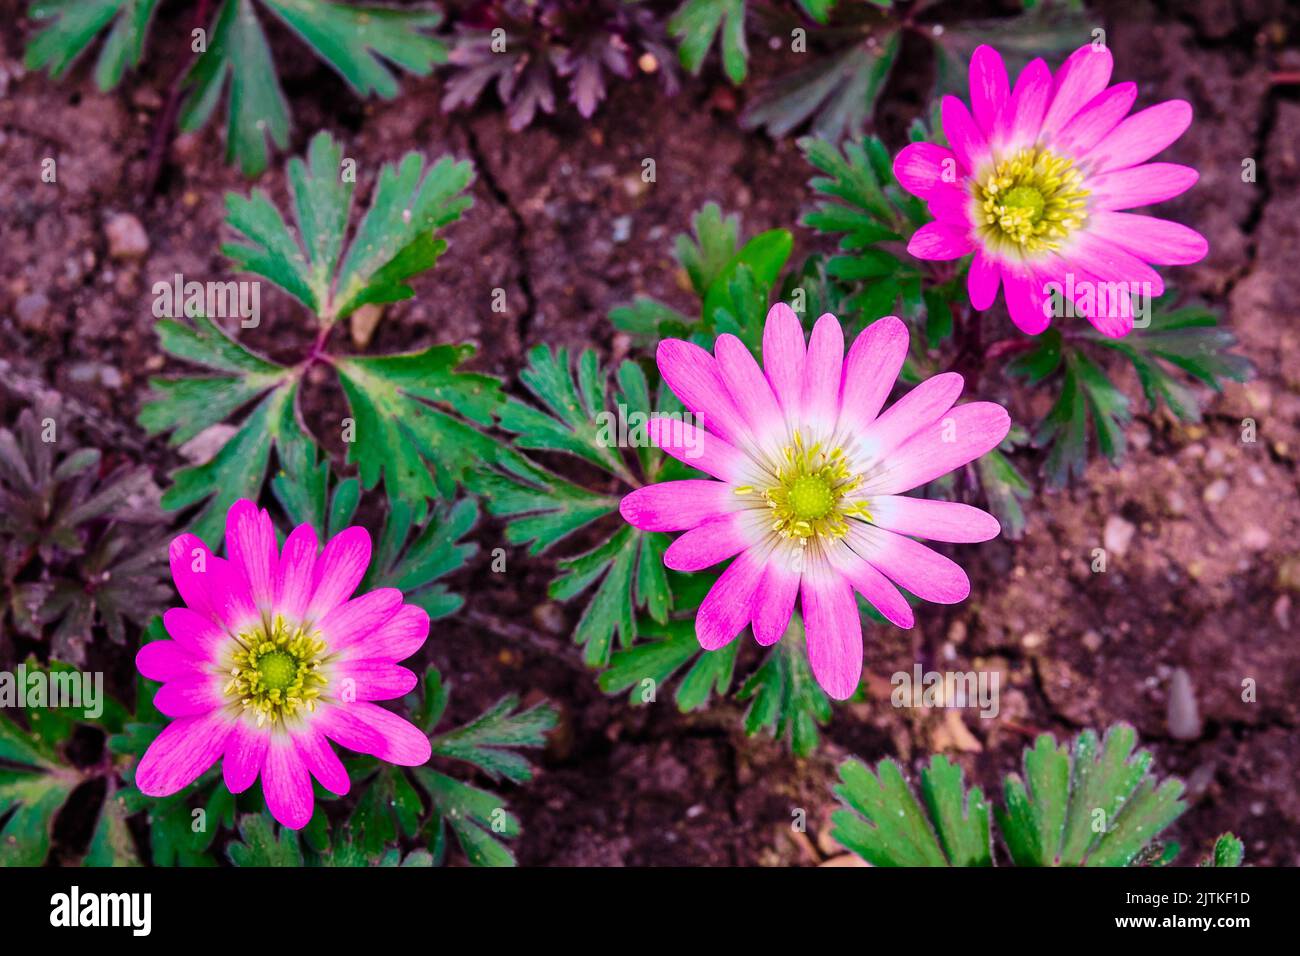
column 278, row 672
column 808, row 498
column 1032, row 200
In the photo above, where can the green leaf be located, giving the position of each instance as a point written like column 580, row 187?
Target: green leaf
column 656, row 661
column 485, row 742
column 355, row 40
column 395, row 240
column 695, row 25
column 787, row 702
column 1187, row 340
column 1228, row 851
column 705, row 255
column 1087, row 394
column 883, row 822
column 238, row 52
column 185, row 406
column 575, row 418
column 74, row 26
column 1089, row 807
column 415, row 417
column 1004, row 486
column 112, row 844
column 260, row 845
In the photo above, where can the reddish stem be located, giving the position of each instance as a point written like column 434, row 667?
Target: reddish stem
column 166, row 124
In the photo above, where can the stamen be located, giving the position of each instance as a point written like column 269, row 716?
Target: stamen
column 1033, row 200
column 808, row 500
column 277, row 673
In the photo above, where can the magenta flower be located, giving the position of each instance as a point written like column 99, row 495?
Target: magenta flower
column 270, row 661
column 810, row 481
column 1034, row 185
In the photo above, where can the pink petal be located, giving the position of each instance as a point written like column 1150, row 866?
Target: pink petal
column 251, row 544
column 353, row 620
column 774, row 600
column 1027, row 303
column 1153, row 240
column 245, row 753
column 182, row 752
column 167, row 660
column 693, row 376
column 676, row 505
column 921, row 167
column 191, row 696
column 910, row 564
column 1027, row 106
column 968, row 141
column 1105, row 261
column 989, row 87
column 1095, row 120
column 819, row 404
column 783, row 357
column 286, row 784
column 983, row 280
column 749, row 388
column 971, row 431
column 915, row 410
column 941, row 241
column 870, row 372
column 696, row 447
column 951, row 205
column 936, row 520
column 400, row 636
column 725, row 610
column 398, row 740
column 338, row 571
column 1081, row 77
column 294, row 579
column 1141, row 136
column 1140, row 185
column 371, row 680
column 200, row 637
column 879, row 591
column 833, row 631
column 320, row 759
column 343, row 723
column 710, row 543
column 209, row 586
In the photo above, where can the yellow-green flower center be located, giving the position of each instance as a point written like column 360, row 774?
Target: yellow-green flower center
column 276, row 672
column 1031, row 201
column 808, row 497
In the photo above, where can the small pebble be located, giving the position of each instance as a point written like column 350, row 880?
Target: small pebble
column 126, row 237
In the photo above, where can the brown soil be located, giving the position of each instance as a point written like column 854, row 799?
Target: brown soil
column 1207, row 582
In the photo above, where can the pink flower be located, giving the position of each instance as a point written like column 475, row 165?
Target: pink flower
column 270, row 661
column 1034, row 185
column 810, row 475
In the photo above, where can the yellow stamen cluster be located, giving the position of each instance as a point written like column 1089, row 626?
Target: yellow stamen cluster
column 277, row 672
column 808, row 499
column 1032, row 200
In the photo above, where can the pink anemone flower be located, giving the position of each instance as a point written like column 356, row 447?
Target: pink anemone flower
column 270, row 661
column 1035, row 184
column 808, row 485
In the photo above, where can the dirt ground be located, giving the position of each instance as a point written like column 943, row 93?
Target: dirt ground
column 1200, row 526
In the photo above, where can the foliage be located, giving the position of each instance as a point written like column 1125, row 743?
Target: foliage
column 414, row 420
column 577, row 418
column 79, row 545
column 1184, row 340
column 37, row 773
column 1096, row 804
column 359, row 41
column 390, row 815
column 523, row 46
